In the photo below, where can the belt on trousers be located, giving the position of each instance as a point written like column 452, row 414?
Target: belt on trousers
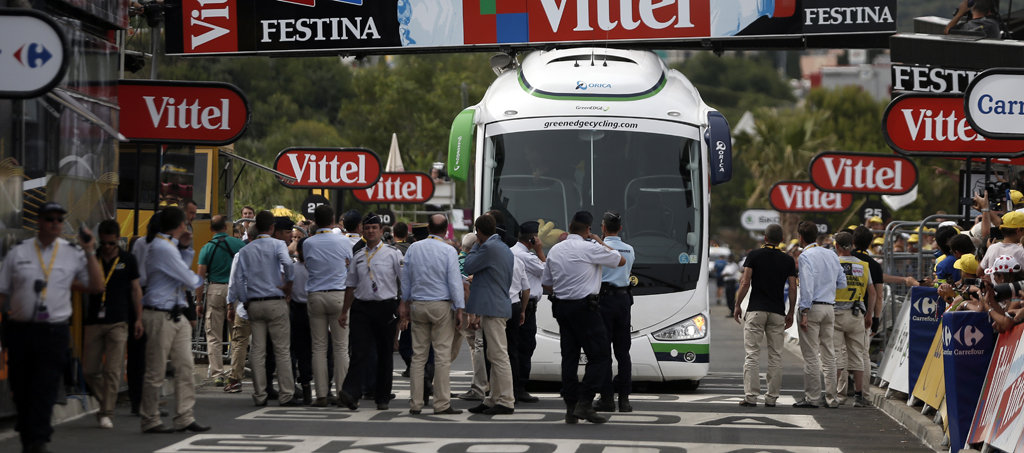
column 592, row 297
column 617, row 290
column 327, row 291
column 218, row 283
column 534, row 299
column 261, row 299
column 822, row 303
column 165, row 310
column 394, row 299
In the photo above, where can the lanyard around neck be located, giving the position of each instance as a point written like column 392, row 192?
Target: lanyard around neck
column 46, row 268
column 106, row 281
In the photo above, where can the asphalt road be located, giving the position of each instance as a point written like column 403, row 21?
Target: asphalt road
column 707, row 420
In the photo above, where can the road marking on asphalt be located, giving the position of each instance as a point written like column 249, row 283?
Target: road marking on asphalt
column 328, row 444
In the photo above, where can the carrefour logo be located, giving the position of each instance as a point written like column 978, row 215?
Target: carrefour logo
column 925, row 306
column 584, row 85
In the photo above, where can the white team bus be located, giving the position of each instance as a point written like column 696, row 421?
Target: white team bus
column 604, row 129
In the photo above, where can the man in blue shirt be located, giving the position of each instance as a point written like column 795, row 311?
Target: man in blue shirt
column 615, row 301
column 431, row 290
column 491, row 263
column 259, row 268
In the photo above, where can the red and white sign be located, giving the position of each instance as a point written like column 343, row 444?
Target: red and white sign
column 802, row 196
column 935, row 125
column 209, row 26
column 329, row 168
column 998, row 420
column 162, row 111
column 863, row 173
column 398, row 187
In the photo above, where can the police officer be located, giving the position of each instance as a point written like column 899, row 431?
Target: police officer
column 616, row 302
column 36, row 280
column 573, row 277
column 534, row 263
column 371, row 299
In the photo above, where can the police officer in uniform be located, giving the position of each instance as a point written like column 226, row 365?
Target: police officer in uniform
column 371, row 300
column 616, row 302
column 36, row 281
column 573, row 277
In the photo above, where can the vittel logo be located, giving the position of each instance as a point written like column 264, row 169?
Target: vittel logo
column 210, row 25
column 627, row 18
column 173, row 113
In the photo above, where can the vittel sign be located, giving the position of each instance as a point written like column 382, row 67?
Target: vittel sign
column 329, row 168
column 164, row 111
column 994, row 103
column 918, row 124
column 802, row 196
column 863, row 173
column 398, row 187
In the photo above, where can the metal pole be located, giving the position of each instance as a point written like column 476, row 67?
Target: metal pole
column 138, row 189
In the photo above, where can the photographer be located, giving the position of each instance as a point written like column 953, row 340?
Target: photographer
column 964, row 295
column 1012, row 229
column 1003, row 299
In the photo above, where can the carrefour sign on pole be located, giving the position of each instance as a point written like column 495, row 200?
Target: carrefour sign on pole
column 994, row 105
column 31, row 53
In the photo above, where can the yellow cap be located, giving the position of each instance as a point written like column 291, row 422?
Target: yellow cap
column 878, row 241
column 875, row 219
column 1013, row 219
column 1016, row 197
column 851, row 227
column 913, row 238
column 967, row 263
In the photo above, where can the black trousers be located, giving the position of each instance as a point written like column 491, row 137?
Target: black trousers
column 580, row 327
column 615, row 308
column 527, row 344
column 302, row 343
column 371, row 336
column 512, row 338
column 730, row 294
column 37, row 354
column 135, row 367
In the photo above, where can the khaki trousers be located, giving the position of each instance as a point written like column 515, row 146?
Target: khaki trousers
column 493, row 329
column 271, row 316
column 216, row 307
column 324, row 309
column 849, row 336
column 475, row 340
column 167, row 339
column 432, row 325
column 103, row 361
column 815, row 340
column 240, row 333
column 770, row 326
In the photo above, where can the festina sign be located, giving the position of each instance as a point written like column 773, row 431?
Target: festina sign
column 802, row 196
column 995, row 105
column 930, row 79
column 883, row 174
column 398, row 187
column 935, row 125
column 197, row 27
column 164, row 111
column 329, row 168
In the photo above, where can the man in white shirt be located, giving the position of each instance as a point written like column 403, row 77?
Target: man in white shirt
column 534, row 265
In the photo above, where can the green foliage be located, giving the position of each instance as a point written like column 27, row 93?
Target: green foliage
column 734, row 84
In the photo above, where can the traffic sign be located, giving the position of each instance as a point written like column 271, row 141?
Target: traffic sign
column 329, row 168
column 310, row 204
column 32, row 49
column 170, row 111
column 936, row 125
column 398, row 187
column 758, row 219
column 836, row 171
column 802, row 196
column 994, row 104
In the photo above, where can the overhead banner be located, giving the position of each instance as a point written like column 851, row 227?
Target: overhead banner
column 802, row 196
column 31, row 53
column 924, row 321
column 872, row 173
column 171, row 111
column 994, row 105
column 718, row 137
column 205, row 27
column 398, row 187
column 936, row 125
column 967, row 344
column 329, row 168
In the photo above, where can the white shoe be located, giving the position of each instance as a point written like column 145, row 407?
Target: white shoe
column 105, row 423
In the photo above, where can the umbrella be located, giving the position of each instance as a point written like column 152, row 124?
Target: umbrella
column 281, row 211
column 394, row 156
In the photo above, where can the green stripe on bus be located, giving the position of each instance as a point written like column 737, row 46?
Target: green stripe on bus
column 681, row 348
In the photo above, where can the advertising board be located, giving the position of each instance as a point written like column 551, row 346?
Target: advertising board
column 32, row 46
column 884, row 174
column 994, row 105
column 398, row 187
column 918, row 124
column 167, row 111
column 802, row 196
column 329, row 168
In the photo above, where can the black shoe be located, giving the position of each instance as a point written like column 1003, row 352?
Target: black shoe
column 479, row 409
column 526, row 397
column 585, row 410
column 292, row 403
column 449, row 411
column 498, row 409
column 415, row 411
column 36, row 447
column 405, row 373
column 135, row 411
column 604, row 405
column 746, row 403
column 194, row 427
column 272, row 395
column 259, row 403
column 307, row 395
column 570, row 419
column 804, row 404
column 382, row 406
column 624, row 405
column 345, row 400
column 158, row 429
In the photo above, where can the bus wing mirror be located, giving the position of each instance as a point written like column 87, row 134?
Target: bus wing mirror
column 460, row 144
column 718, row 138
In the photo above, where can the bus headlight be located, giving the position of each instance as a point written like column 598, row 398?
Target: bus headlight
column 690, row 329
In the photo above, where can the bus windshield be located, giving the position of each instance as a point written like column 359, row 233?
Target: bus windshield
column 649, row 175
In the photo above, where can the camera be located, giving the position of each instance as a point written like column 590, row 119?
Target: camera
column 1003, row 291
column 970, row 282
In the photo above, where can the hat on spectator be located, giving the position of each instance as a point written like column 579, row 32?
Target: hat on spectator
column 52, row 206
column 1005, row 263
column 851, row 227
column 967, row 263
column 913, row 238
column 1016, row 196
column 283, row 223
column 1013, row 220
column 371, row 219
column 878, row 241
column 875, row 219
column 950, row 223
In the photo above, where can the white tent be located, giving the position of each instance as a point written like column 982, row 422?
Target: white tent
column 394, row 156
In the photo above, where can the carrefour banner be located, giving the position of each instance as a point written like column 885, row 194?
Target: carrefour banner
column 924, row 321
column 998, row 420
column 967, row 345
column 203, row 27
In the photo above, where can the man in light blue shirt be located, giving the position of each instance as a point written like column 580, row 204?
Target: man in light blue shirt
column 820, row 276
column 259, row 268
column 431, row 289
column 615, row 302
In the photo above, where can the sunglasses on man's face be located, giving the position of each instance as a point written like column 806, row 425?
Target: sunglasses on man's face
column 110, row 243
column 53, row 219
